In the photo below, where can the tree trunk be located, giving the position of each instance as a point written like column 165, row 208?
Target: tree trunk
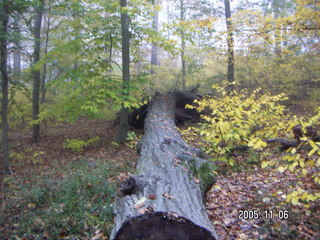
column 36, row 73
column 123, row 127
column 230, row 42
column 76, row 17
column 5, row 84
column 154, row 50
column 277, row 33
column 168, row 22
column 16, row 61
column 183, row 47
column 44, row 70
column 166, row 199
column 16, row 49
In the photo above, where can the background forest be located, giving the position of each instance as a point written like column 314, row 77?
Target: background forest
column 72, row 71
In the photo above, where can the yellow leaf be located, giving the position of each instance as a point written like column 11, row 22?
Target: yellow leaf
column 300, row 190
column 264, row 164
column 313, row 145
column 312, row 197
column 304, row 171
column 289, row 158
column 31, row 205
column 293, row 151
column 304, row 196
column 295, row 200
column 282, row 169
column 312, row 152
column 293, row 166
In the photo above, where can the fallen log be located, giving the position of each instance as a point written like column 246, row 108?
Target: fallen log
column 165, row 199
column 311, row 134
column 181, row 113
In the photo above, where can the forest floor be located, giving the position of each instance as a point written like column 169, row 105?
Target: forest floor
column 237, row 191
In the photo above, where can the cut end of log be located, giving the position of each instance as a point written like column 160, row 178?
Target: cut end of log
column 162, row 225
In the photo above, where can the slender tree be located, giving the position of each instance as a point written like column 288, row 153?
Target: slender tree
column 230, row 42
column 44, row 70
column 123, row 126
column 4, row 15
column 277, row 33
column 154, row 47
column 154, row 50
column 183, row 48
column 36, row 72
column 17, row 48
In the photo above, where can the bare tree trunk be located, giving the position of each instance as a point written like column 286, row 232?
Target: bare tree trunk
column 124, row 126
column 77, row 30
column 44, row 71
column 16, row 61
column 5, row 85
column 230, row 42
column 154, row 50
column 168, row 22
column 16, row 49
column 36, row 73
column 183, row 47
column 277, row 33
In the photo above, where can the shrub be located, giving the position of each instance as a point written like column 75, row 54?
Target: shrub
column 78, row 145
column 239, row 119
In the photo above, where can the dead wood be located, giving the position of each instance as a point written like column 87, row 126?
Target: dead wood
column 167, row 201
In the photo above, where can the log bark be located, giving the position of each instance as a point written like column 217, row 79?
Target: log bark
column 181, row 114
column 311, row 134
column 165, row 199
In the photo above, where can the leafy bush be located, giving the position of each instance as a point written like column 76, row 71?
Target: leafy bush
column 28, row 154
column 132, row 139
column 238, row 119
column 78, row 145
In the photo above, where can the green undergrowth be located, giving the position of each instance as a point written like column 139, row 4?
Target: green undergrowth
column 66, row 204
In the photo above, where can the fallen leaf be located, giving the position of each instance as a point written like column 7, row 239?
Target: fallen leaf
column 98, row 236
column 138, row 205
column 173, row 214
column 167, row 196
column 141, row 200
column 196, row 180
column 152, row 197
column 143, row 211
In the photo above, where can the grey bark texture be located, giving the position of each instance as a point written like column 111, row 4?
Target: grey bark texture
column 45, row 52
column 183, row 48
column 4, row 8
column 277, row 33
column 16, row 48
column 124, row 126
column 229, row 41
column 154, row 49
column 166, row 180
column 36, row 73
